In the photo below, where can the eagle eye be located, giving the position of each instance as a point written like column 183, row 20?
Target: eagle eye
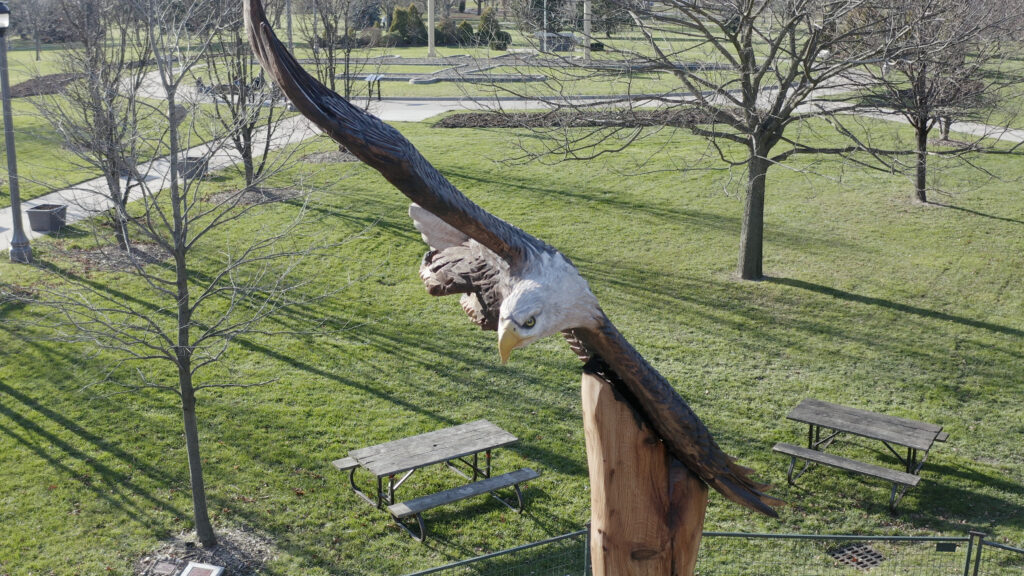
column 530, row 322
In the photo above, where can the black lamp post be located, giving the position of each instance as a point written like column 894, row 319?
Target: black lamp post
column 21, row 251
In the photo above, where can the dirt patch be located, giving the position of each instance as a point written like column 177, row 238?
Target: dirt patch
column 330, row 157
column 253, row 196
column 42, row 86
column 114, row 259
column 682, row 117
column 240, row 552
column 952, row 144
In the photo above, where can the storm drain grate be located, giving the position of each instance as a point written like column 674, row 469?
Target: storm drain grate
column 857, row 555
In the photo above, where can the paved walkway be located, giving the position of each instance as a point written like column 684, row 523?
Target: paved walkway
column 87, row 199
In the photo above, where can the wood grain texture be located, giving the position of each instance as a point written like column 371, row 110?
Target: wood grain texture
column 647, row 510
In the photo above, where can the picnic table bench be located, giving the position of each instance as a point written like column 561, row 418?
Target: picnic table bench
column 917, row 437
column 399, row 459
column 372, row 79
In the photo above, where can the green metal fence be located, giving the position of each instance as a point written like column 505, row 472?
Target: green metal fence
column 743, row 554
column 995, row 559
column 565, row 555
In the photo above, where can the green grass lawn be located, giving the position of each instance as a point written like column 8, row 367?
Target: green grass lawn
column 871, row 301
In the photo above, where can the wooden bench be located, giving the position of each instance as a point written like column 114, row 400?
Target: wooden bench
column 417, row 506
column 897, row 477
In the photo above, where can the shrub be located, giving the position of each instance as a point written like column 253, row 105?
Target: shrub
column 464, row 34
column 597, row 46
column 408, row 25
column 446, row 32
column 390, row 40
column 370, row 37
column 489, row 26
column 416, row 30
column 497, row 45
column 399, row 23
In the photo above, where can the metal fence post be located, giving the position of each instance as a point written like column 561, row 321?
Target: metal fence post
column 586, row 552
column 979, row 536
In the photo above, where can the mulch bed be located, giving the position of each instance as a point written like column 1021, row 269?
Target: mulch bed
column 253, row 196
column 113, row 259
column 240, row 552
column 952, row 143
column 42, row 86
column 680, row 117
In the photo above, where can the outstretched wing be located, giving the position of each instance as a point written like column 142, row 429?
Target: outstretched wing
column 381, row 146
column 684, row 434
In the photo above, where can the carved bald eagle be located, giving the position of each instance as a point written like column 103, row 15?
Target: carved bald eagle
column 509, row 281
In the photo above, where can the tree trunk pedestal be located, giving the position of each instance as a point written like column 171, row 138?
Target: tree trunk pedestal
column 647, row 509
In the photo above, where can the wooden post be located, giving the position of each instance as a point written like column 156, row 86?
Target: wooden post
column 647, row 509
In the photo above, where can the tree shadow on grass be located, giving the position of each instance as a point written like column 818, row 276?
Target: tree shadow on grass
column 117, row 488
column 780, row 233
column 977, row 213
column 444, row 521
column 948, row 507
column 904, row 308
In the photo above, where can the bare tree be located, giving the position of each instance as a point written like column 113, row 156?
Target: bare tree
column 333, row 35
column 99, row 113
column 745, row 71
column 184, row 321
column 244, row 104
column 951, row 62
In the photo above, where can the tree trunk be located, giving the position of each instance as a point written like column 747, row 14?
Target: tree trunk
column 944, row 124
column 183, row 348
column 247, row 153
column 117, row 212
column 204, row 529
column 920, row 184
column 752, row 233
column 647, row 509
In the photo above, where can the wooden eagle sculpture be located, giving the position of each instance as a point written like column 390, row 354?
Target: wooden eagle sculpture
column 509, row 281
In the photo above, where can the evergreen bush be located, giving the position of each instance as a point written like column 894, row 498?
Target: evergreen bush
column 464, row 34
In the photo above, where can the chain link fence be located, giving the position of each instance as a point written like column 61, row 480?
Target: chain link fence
column 741, row 554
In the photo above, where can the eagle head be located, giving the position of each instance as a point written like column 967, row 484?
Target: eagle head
column 545, row 298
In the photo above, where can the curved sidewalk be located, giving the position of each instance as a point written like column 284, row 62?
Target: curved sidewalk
column 89, row 198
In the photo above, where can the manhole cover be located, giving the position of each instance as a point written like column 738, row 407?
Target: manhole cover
column 857, row 555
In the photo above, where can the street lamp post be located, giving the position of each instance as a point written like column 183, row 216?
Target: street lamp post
column 544, row 38
column 21, row 251
column 288, row 19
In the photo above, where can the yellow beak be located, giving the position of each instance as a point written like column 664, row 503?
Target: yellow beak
column 508, row 339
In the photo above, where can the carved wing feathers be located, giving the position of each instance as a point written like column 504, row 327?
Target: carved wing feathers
column 682, row 431
column 381, row 146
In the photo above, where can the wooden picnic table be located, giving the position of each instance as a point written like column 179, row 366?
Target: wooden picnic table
column 397, row 460
column 917, row 437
